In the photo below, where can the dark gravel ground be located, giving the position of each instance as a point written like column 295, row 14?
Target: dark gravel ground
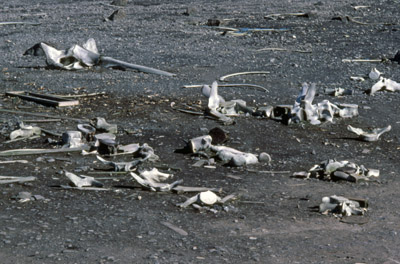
column 272, row 222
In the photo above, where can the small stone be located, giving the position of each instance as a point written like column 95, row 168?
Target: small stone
column 213, row 22
column 264, row 157
column 189, row 11
column 119, row 2
column 117, row 15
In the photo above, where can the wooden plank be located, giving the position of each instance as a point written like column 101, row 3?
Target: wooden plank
column 45, row 99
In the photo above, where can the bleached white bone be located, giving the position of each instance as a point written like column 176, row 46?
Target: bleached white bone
column 83, row 181
column 120, row 166
column 369, row 136
column 155, row 175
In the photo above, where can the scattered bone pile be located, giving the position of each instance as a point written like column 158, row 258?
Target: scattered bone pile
column 341, row 206
column 302, row 110
column 332, row 170
column 230, row 156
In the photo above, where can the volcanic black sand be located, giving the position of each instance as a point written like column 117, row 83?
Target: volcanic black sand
column 272, row 220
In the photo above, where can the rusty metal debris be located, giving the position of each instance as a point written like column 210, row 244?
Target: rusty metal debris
column 85, row 56
column 332, row 170
column 341, row 206
column 369, row 136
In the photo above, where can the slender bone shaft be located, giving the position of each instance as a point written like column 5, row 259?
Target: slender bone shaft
column 110, row 62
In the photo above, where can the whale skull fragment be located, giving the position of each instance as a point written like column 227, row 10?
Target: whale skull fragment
column 385, row 84
column 80, row 57
column 369, row 136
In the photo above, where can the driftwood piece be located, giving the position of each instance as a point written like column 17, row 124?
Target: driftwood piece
column 45, row 99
